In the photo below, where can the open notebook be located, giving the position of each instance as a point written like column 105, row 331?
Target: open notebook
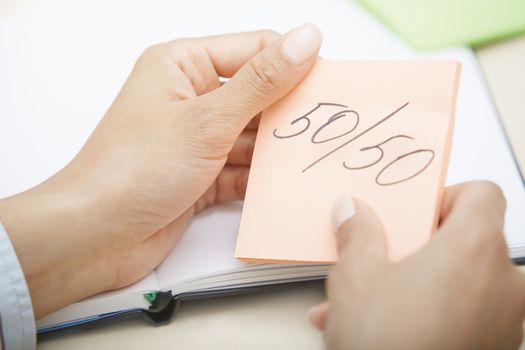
column 201, row 263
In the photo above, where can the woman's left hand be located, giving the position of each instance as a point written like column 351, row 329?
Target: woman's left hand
column 174, row 142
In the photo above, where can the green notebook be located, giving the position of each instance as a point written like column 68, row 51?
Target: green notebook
column 430, row 24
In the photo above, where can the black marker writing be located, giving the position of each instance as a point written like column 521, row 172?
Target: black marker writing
column 305, row 118
column 419, row 151
column 345, row 113
column 376, row 147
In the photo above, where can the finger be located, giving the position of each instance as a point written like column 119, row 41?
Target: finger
column 253, row 124
column 318, row 315
column 229, row 52
column 204, row 60
column 472, row 224
column 263, row 80
column 359, row 232
column 230, row 185
column 473, row 207
column 242, row 151
column 362, row 250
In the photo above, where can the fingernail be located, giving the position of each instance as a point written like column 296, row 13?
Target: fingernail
column 343, row 209
column 302, row 43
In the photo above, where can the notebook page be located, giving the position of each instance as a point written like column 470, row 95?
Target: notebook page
column 206, row 247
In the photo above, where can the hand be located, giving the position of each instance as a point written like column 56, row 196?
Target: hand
column 174, row 142
column 458, row 292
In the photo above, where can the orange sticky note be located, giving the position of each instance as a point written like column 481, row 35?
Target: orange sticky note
column 380, row 131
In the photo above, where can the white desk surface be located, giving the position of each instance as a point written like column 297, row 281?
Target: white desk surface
column 65, row 63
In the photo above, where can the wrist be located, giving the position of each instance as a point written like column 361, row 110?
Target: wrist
column 52, row 233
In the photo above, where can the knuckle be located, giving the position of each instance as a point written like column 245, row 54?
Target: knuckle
column 179, row 50
column 484, row 205
column 488, row 191
column 178, row 44
column 174, row 51
column 200, row 117
column 199, row 123
column 153, row 53
column 153, row 57
column 264, row 75
column 267, row 35
column 490, row 244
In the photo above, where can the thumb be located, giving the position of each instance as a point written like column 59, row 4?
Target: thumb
column 268, row 76
column 359, row 233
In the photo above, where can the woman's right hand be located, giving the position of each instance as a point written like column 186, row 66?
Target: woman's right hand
column 459, row 292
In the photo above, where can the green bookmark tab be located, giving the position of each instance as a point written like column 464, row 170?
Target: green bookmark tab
column 430, row 24
column 150, row 297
